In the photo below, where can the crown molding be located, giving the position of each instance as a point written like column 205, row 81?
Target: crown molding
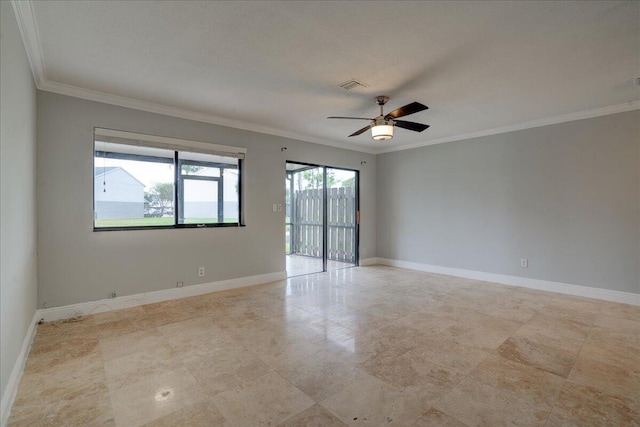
column 31, row 39
column 563, row 118
column 121, row 101
column 183, row 113
column 26, row 20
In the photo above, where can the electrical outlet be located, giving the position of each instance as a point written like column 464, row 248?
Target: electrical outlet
column 201, row 272
column 180, row 284
column 524, row 263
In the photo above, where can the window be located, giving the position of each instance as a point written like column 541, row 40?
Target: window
column 142, row 181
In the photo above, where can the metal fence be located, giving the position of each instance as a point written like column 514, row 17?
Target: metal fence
column 306, row 223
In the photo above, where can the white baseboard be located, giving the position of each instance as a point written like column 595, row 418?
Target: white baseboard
column 92, row 307
column 524, row 282
column 368, row 261
column 16, row 373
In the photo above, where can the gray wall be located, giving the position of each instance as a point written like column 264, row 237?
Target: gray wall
column 76, row 264
column 564, row 196
column 18, row 278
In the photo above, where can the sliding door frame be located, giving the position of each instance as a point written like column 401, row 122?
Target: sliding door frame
column 325, row 225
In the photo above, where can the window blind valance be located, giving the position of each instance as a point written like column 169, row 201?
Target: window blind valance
column 165, row 143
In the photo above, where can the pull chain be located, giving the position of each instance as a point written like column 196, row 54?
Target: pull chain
column 104, row 170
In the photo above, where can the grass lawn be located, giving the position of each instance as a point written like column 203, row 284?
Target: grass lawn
column 147, row 222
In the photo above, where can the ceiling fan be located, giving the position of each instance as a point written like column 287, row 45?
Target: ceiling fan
column 382, row 126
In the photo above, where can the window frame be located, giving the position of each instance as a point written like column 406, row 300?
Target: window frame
column 178, row 185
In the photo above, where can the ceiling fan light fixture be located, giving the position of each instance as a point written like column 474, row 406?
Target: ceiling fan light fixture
column 382, row 126
column 382, row 130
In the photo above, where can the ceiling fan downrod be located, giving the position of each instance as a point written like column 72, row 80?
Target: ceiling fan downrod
column 381, row 100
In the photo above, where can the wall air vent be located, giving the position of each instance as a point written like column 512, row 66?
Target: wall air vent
column 353, row 84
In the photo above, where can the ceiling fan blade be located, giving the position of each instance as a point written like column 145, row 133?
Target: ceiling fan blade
column 353, row 118
column 418, row 127
column 358, row 132
column 412, row 108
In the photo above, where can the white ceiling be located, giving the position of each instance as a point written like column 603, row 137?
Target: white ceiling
column 276, row 66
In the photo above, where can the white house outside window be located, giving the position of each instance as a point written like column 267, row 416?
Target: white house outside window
column 141, row 181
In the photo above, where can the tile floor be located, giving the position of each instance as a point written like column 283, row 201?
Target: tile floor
column 360, row 346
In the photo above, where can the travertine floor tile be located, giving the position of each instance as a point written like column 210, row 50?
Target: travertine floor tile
column 194, row 338
column 370, row 401
column 139, row 366
column 147, row 400
column 57, row 332
column 618, row 324
column 433, row 418
column 623, row 311
column 29, row 415
column 327, row 331
column 90, row 410
column 433, row 321
column 200, row 414
column 532, row 353
column 566, row 334
column 619, row 351
column 369, row 346
column 583, row 310
column 319, row 376
column 482, row 331
column 316, row 416
column 133, row 314
column 390, row 340
column 524, row 382
column 444, row 351
column 478, row 404
column 414, row 374
column 268, row 400
column 428, row 371
column 620, row 382
column 239, row 313
column 148, row 340
column 163, row 313
column 293, row 316
column 582, row 405
column 518, row 309
column 46, row 356
column 361, row 321
column 225, row 368
column 69, row 380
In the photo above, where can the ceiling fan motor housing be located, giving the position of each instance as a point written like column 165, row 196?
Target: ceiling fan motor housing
column 381, row 100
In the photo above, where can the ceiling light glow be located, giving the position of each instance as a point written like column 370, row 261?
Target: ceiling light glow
column 382, row 132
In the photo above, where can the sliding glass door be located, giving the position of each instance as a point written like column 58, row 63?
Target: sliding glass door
column 342, row 221
column 321, row 218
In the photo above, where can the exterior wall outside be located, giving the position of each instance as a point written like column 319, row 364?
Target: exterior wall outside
column 566, row 197
column 18, row 273
column 123, row 198
column 119, row 210
column 119, row 186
